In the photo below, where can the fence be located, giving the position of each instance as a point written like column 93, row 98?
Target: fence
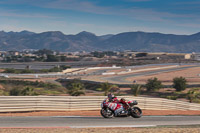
column 69, row 103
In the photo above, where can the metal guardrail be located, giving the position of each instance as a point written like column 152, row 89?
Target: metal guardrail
column 70, row 103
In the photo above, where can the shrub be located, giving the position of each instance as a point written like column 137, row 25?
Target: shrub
column 172, row 97
column 44, row 70
column 63, row 67
column 1, row 92
column 194, row 95
column 26, row 71
column 141, row 54
column 76, row 88
column 114, row 88
column 10, row 70
column 179, row 83
column 136, row 89
column 153, row 84
column 14, row 92
column 16, row 87
column 55, row 69
column 106, row 87
column 28, row 91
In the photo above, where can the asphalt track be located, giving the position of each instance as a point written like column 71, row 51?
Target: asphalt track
column 85, row 122
column 48, row 65
column 122, row 78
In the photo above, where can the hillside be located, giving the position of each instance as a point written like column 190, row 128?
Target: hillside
column 86, row 41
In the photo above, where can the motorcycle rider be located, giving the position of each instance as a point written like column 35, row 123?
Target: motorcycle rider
column 112, row 98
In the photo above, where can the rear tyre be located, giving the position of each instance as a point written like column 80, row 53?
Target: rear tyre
column 136, row 112
column 106, row 113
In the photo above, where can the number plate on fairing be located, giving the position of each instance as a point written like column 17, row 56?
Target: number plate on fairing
column 112, row 106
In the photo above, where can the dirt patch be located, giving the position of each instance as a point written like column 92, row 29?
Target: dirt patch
column 97, row 113
column 191, row 75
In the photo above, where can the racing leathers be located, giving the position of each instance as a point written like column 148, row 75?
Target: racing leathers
column 120, row 107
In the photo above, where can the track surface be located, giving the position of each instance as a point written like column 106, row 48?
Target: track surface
column 84, row 122
column 122, row 78
column 47, row 65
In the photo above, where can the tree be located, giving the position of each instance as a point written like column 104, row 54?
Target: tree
column 136, row 89
column 98, row 54
column 8, row 59
column 153, row 84
column 52, row 58
column 141, row 54
column 63, row 58
column 27, row 59
column 76, row 88
column 43, row 52
column 63, row 67
column 179, row 83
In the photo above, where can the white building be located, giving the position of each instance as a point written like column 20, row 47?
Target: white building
column 196, row 56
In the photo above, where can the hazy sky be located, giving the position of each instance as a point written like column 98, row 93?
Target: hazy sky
column 101, row 16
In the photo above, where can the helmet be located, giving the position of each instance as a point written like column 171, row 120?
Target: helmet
column 122, row 99
column 110, row 96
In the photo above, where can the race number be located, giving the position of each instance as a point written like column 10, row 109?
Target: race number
column 112, row 106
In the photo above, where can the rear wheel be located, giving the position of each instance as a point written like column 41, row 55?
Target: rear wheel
column 136, row 112
column 106, row 113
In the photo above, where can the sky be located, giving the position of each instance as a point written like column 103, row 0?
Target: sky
column 101, row 16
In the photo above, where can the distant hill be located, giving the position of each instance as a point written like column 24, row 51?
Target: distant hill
column 86, row 41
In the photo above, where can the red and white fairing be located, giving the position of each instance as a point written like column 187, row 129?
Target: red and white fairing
column 113, row 105
column 131, row 101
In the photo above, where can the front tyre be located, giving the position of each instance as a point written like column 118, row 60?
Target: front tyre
column 136, row 112
column 106, row 113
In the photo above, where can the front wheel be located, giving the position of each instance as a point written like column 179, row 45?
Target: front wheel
column 106, row 113
column 136, row 112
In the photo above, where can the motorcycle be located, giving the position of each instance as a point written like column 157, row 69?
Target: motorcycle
column 108, row 109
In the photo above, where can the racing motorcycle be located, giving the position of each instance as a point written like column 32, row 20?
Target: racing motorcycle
column 108, row 109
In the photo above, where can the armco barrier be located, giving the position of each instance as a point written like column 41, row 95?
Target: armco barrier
column 70, row 103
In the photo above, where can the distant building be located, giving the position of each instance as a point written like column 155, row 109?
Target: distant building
column 30, row 55
column 29, row 50
column 127, row 54
column 13, row 53
column 3, row 53
column 188, row 56
column 196, row 56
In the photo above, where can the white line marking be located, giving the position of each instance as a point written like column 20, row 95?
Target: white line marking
column 164, row 116
column 113, row 126
column 116, row 117
column 68, row 116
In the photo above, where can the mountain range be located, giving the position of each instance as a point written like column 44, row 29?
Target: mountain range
column 86, row 41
